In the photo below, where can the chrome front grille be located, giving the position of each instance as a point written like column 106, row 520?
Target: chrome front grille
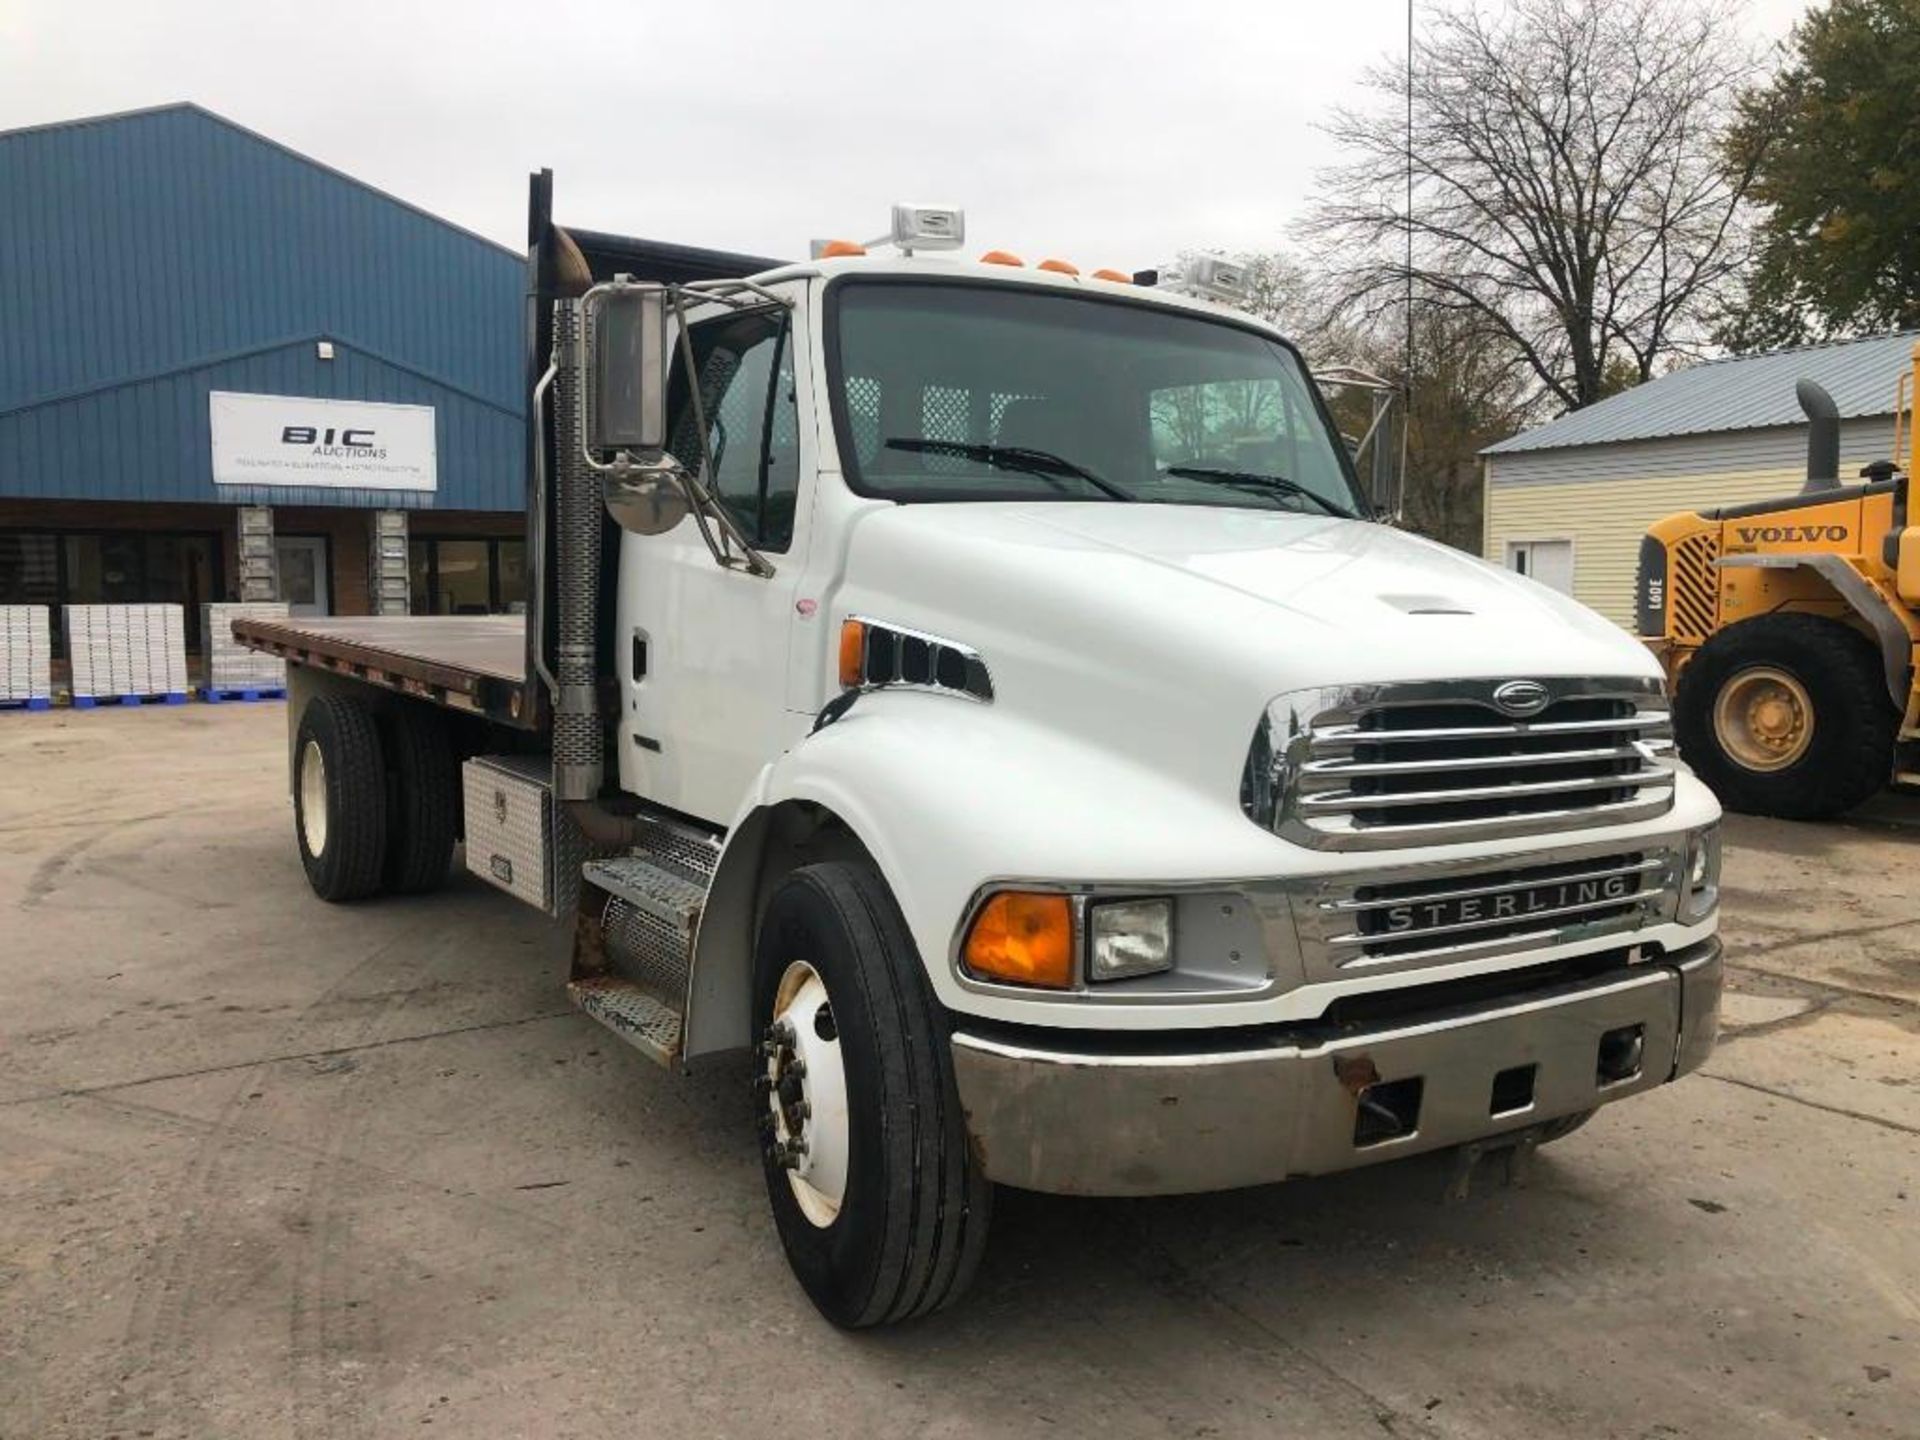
column 1466, row 910
column 1371, row 767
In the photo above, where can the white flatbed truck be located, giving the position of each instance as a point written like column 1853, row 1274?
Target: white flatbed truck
column 984, row 695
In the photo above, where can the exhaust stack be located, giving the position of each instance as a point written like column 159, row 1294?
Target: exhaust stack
column 1823, row 436
column 578, row 759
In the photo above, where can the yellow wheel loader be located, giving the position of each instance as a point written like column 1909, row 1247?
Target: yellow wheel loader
column 1789, row 629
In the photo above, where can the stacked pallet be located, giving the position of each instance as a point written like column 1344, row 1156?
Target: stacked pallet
column 127, row 653
column 233, row 671
column 26, row 657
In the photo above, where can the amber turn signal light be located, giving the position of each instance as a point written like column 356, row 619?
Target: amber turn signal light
column 1023, row 939
column 853, row 654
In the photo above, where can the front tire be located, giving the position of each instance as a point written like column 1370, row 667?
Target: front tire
column 340, row 798
column 1787, row 715
column 880, row 1206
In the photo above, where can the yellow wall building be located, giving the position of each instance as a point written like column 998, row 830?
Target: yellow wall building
column 1567, row 502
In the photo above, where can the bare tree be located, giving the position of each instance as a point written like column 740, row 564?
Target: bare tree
column 1570, row 193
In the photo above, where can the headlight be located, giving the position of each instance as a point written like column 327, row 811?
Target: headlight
column 1126, row 938
column 1700, row 885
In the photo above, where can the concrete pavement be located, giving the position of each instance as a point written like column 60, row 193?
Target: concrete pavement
column 274, row 1168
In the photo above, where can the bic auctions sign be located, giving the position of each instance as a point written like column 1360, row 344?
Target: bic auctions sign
column 340, row 444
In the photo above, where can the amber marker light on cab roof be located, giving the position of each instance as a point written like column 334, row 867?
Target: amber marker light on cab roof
column 853, row 653
column 1001, row 257
column 1118, row 277
column 1024, row 939
column 1058, row 267
column 833, row 249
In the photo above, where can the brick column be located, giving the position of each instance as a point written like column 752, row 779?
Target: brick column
column 259, row 568
column 387, row 568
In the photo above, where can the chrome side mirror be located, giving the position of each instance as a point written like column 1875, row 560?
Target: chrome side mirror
column 629, row 381
column 643, row 486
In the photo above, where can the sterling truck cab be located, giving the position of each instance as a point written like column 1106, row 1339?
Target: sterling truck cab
column 986, row 697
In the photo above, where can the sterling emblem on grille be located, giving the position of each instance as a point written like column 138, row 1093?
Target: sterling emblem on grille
column 1547, row 899
column 1521, row 697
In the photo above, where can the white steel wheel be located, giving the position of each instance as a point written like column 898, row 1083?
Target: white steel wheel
column 806, row 1093
column 1764, row 719
column 879, row 1200
column 313, row 798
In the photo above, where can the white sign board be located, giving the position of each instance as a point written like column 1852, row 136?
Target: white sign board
column 342, row 444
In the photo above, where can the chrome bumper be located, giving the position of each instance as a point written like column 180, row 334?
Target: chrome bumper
column 1071, row 1118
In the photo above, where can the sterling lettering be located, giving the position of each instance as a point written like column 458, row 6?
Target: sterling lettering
column 1514, row 905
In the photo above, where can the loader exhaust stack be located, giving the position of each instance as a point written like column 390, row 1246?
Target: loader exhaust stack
column 1823, row 437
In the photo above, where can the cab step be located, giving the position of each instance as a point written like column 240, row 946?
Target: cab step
column 636, row 1016
column 633, row 947
column 667, row 895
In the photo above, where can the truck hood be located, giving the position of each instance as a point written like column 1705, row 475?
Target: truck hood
column 1149, row 624
column 1347, row 575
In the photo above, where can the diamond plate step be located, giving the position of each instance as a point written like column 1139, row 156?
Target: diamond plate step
column 660, row 892
column 631, row 1013
column 684, row 851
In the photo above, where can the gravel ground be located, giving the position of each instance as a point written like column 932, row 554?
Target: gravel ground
column 274, row 1168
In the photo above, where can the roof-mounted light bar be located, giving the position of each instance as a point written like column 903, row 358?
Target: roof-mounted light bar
column 1208, row 276
column 915, row 227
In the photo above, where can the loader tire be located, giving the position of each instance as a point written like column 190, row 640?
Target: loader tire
column 423, row 809
column 340, row 798
column 897, row 1230
column 1787, row 715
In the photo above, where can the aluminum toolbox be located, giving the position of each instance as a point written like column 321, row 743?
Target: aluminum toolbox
column 517, row 837
column 509, row 815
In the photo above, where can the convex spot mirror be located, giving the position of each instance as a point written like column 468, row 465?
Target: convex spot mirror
column 647, row 502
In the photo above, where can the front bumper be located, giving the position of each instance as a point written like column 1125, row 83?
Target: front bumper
column 1071, row 1117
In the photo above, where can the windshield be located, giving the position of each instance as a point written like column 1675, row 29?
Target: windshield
column 954, row 391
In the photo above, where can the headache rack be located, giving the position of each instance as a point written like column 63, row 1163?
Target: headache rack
column 1381, row 766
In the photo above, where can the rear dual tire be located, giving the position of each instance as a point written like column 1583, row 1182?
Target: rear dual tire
column 376, row 806
column 340, row 798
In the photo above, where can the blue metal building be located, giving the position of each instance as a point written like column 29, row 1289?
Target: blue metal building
column 153, row 261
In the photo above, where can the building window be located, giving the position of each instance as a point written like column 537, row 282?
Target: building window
column 1548, row 561
column 452, row 575
column 109, row 567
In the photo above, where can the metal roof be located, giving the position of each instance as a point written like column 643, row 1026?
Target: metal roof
column 150, row 257
column 1741, row 392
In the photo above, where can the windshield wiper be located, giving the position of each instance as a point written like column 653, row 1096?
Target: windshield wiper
column 1255, row 481
column 1010, row 457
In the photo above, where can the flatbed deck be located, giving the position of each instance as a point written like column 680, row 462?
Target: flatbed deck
column 467, row 662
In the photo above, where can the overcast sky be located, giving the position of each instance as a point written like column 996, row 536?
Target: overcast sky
column 1105, row 131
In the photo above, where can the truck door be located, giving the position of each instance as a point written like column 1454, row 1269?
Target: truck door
column 702, row 647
